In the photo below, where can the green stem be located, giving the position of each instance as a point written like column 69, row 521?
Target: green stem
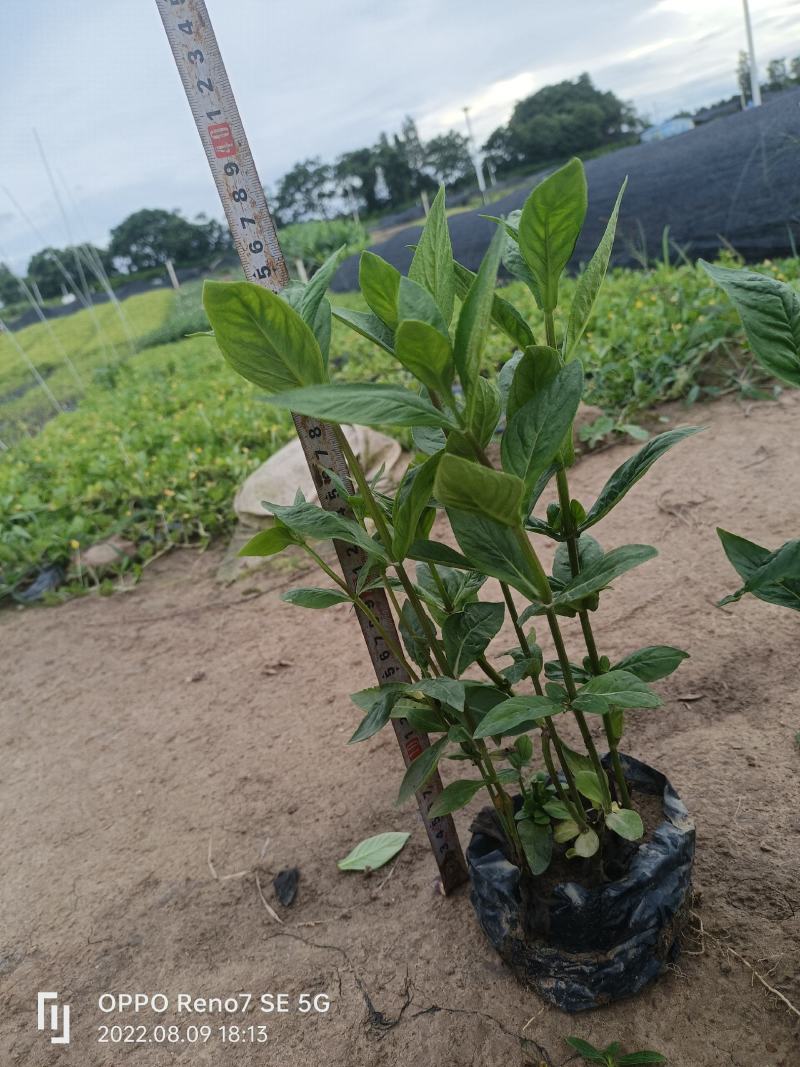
column 573, row 802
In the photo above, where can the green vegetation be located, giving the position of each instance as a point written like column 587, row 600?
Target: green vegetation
column 611, row 1055
column 665, row 333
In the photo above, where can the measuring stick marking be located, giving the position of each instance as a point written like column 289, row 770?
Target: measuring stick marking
column 205, row 81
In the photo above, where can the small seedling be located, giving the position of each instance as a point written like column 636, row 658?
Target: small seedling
column 610, row 1055
column 373, row 852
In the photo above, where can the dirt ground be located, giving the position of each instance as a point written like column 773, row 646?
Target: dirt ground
column 149, row 733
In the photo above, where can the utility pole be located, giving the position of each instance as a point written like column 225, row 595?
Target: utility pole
column 476, row 159
column 755, row 88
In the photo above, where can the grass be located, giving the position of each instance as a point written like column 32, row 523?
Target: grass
column 161, row 439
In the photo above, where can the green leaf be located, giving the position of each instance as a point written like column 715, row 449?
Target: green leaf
column 380, row 710
column 314, row 292
column 590, row 282
column 374, row 852
column 537, row 844
column 433, row 552
column 422, row 769
column 448, row 691
column 504, row 315
column 549, row 226
column 589, row 552
column 627, row 823
column 471, row 487
column 367, row 325
column 506, row 376
column 426, row 353
column 269, row 542
column 589, row 1052
column 379, row 282
column 634, row 1059
column 262, row 337
column 591, row 703
column 467, row 633
column 535, row 371
column 565, row 830
column 308, row 520
column 365, row 404
column 412, row 498
column 653, row 662
column 473, row 322
column 415, row 302
column 315, row 598
column 414, row 637
column 536, row 432
column 626, row 476
column 494, row 549
column 590, row 786
column 773, row 577
column 486, row 410
column 428, row 439
column 586, row 844
column 622, row 689
column 599, row 574
column 432, row 265
column 516, row 714
column 770, row 313
column 455, row 796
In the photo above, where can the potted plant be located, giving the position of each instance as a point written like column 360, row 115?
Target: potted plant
column 581, row 864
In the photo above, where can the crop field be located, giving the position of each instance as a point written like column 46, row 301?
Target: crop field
column 156, row 445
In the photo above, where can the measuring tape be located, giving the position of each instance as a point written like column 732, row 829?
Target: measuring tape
column 205, row 81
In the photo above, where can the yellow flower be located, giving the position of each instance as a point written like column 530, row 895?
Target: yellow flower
column 74, row 544
column 192, row 475
column 639, row 304
column 169, row 492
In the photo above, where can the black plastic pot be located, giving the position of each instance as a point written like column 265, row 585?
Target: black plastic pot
column 580, row 948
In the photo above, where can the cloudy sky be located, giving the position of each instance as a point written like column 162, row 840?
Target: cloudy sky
column 96, row 79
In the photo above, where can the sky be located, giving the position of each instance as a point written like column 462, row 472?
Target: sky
column 96, row 80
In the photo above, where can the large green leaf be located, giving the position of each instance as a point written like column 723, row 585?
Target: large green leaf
column 773, row 577
column 534, row 372
column 432, row 265
column 380, row 284
column 590, row 282
column 262, row 337
column 537, row 844
column 622, row 689
column 315, row 598
column 374, row 852
column 653, row 662
column 536, row 432
column 504, row 315
column 770, row 313
column 549, row 226
column 426, row 353
column 368, row 325
column 472, row 487
column 515, row 714
column 412, row 497
column 422, row 769
column 626, row 476
column 495, row 549
column 455, row 796
column 467, row 633
column 600, row 573
column 310, row 521
column 366, row 404
column 476, row 314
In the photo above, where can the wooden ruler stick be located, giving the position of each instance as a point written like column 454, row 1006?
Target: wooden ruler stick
column 205, row 81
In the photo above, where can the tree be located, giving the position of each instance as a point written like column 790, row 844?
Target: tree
column 10, row 292
column 447, row 158
column 743, row 76
column 794, row 67
column 778, row 75
column 43, row 270
column 356, row 177
column 148, row 238
column 304, row 192
column 401, row 182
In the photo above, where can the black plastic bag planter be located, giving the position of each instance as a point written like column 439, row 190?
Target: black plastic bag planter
column 581, row 948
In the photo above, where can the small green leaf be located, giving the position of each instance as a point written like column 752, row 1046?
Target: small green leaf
column 589, row 552
column 422, row 769
column 367, row 325
column 494, row 549
column 379, row 281
column 537, row 844
column 549, row 226
column 653, row 662
column 413, row 635
column 364, row 404
column 428, row 440
column 773, row 577
column 269, row 542
column 467, row 633
column 601, row 573
column 565, row 831
column 432, row 265
column 425, row 353
column 534, row 372
column 590, row 786
column 310, row 521
column 591, row 703
column 433, row 552
column 314, row 292
column 625, row 477
column 623, row 690
column 455, row 796
column 770, row 313
column 448, row 691
column 416, row 303
column 516, row 714
column 412, row 498
column 627, row 823
column 384, row 700
column 504, row 315
column 374, row 852
column 473, row 322
column 262, row 337
column 485, row 413
column 471, row 487
column 315, row 598
column 635, row 1059
column 586, row 844
column 589, row 1052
